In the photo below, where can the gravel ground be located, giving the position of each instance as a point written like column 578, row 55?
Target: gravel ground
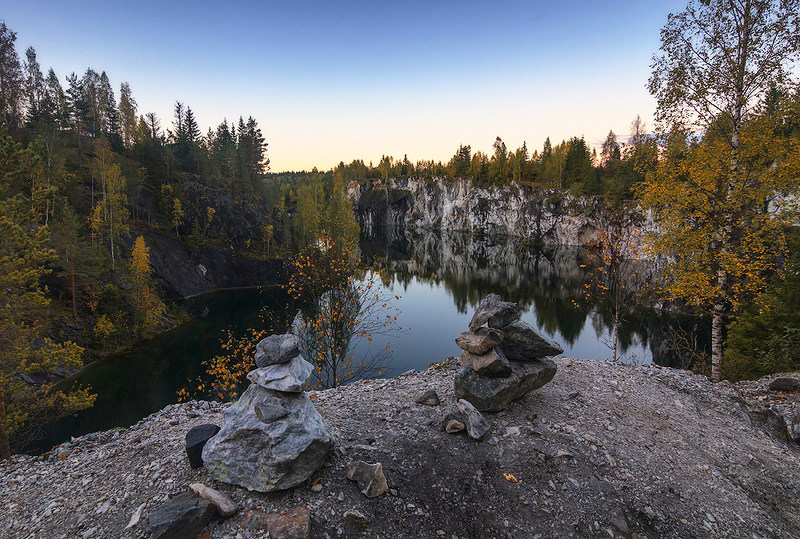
column 604, row 450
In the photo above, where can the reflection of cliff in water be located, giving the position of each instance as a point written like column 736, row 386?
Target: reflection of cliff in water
column 549, row 281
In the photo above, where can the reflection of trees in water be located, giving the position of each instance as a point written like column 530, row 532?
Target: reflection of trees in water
column 543, row 280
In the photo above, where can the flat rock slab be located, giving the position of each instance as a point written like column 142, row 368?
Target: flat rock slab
column 268, row 456
column 495, row 311
column 492, row 364
column 479, row 341
column 522, row 343
column 269, row 412
column 495, row 394
column 292, row 524
column 288, row 377
column 277, row 349
column 183, row 517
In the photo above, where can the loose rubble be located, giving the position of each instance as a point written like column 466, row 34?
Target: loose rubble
column 603, row 450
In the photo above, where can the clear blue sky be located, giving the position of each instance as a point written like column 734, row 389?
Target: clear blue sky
column 337, row 81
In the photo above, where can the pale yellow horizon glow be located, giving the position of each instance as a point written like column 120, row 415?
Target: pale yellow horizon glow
column 314, row 138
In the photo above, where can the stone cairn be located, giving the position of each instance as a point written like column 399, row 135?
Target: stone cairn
column 273, row 437
column 501, row 362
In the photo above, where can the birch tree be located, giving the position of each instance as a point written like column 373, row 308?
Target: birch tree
column 106, row 169
column 718, row 60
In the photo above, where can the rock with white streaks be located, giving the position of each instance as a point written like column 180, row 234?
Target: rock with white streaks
column 268, row 455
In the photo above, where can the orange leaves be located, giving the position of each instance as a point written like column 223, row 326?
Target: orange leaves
column 510, row 478
column 718, row 222
column 227, row 371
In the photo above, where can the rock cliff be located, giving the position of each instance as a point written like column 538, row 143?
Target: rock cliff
column 220, row 261
column 541, row 216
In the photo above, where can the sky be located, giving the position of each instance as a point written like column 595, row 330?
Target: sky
column 336, row 81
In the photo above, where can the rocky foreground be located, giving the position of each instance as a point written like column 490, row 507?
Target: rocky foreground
column 604, row 450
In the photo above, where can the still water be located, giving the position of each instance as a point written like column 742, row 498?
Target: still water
column 439, row 281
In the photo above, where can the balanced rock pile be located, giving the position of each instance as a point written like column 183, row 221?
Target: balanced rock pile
column 273, row 437
column 503, row 361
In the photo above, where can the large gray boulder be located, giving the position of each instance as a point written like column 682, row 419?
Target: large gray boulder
column 287, row 377
column 479, row 341
column 522, row 343
column 277, row 349
column 263, row 455
column 495, row 311
column 495, row 394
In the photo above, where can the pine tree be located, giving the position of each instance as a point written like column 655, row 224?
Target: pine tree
column 610, row 152
column 78, row 108
column 191, row 130
column 258, row 162
column 24, row 345
column 459, row 163
column 109, row 115
column 498, row 166
column 223, row 153
column 579, row 173
column 153, row 125
column 90, row 92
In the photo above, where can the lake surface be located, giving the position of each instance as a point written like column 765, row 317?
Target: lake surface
column 439, row 280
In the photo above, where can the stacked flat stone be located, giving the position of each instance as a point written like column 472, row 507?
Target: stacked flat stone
column 273, row 437
column 502, row 360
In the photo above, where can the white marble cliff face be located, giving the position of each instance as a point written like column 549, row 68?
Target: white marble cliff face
column 545, row 216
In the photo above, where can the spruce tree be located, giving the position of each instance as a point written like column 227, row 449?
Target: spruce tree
column 34, row 87
column 11, row 79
